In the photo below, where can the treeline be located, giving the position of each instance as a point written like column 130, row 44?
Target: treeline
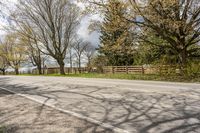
column 165, row 32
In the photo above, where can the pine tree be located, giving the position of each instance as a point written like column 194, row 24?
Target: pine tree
column 116, row 37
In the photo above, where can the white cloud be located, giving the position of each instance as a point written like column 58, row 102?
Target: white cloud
column 85, row 33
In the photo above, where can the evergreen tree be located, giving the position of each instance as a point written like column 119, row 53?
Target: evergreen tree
column 116, row 37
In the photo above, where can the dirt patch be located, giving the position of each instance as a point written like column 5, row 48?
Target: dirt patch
column 18, row 114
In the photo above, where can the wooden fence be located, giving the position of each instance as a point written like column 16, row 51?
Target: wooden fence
column 68, row 70
column 164, row 69
column 124, row 69
column 107, row 69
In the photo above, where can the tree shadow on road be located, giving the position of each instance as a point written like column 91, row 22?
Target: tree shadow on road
column 87, row 127
column 136, row 111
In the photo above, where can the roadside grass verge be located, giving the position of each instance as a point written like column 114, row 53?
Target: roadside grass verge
column 2, row 129
column 154, row 77
column 7, row 129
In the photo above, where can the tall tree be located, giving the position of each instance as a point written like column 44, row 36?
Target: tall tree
column 31, row 42
column 177, row 22
column 70, row 56
column 54, row 21
column 30, row 39
column 116, row 37
column 33, row 51
column 14, row 51
column 79, row 48
column 89, row 52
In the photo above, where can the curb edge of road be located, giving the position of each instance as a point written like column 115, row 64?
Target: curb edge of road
column 91, row 120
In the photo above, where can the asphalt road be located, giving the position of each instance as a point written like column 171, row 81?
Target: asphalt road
column 130, row 106
column 21, row 115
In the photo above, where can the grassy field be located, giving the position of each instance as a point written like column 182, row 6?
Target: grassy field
column 129, row 77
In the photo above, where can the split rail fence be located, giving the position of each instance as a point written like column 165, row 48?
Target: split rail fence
column 112, row 70
column 124, row 69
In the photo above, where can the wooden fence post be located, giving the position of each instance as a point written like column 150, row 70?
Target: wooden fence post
column 142, row 70
column 113, row 70
column 126, row 69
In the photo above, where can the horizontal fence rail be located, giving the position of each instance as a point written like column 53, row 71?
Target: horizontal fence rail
column 162, row 69
column 68, row 70
column 124, row 69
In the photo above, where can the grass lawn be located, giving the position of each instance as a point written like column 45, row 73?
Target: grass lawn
column 129, row 77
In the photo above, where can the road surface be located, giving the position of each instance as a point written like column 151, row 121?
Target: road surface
column 124, row 105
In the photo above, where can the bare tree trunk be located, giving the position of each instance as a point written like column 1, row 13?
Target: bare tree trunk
column 79, row 64
column 39, row 67
column 71, row 63
column 4, row 72
column 44, row 67
column 17, row 71
column 62, row 66
column 89, row 65
column 183, row 59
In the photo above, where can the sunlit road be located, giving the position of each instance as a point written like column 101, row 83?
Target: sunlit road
column 133, row 106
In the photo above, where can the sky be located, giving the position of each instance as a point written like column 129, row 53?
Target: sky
column 83, row 30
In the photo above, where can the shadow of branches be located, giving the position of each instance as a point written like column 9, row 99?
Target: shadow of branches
column 134, row 111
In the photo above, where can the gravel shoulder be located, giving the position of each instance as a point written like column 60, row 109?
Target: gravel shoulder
column 20, row 115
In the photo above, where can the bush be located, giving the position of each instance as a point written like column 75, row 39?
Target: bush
column 193, row 69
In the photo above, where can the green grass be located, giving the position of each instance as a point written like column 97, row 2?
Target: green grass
column 3, row 129
column 128, row 77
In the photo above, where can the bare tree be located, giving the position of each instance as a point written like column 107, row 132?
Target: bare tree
column 30, row 39
column 79, row 47
column 54, row 21
column 70, row 56
column 89, row 52
column 34, row 53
